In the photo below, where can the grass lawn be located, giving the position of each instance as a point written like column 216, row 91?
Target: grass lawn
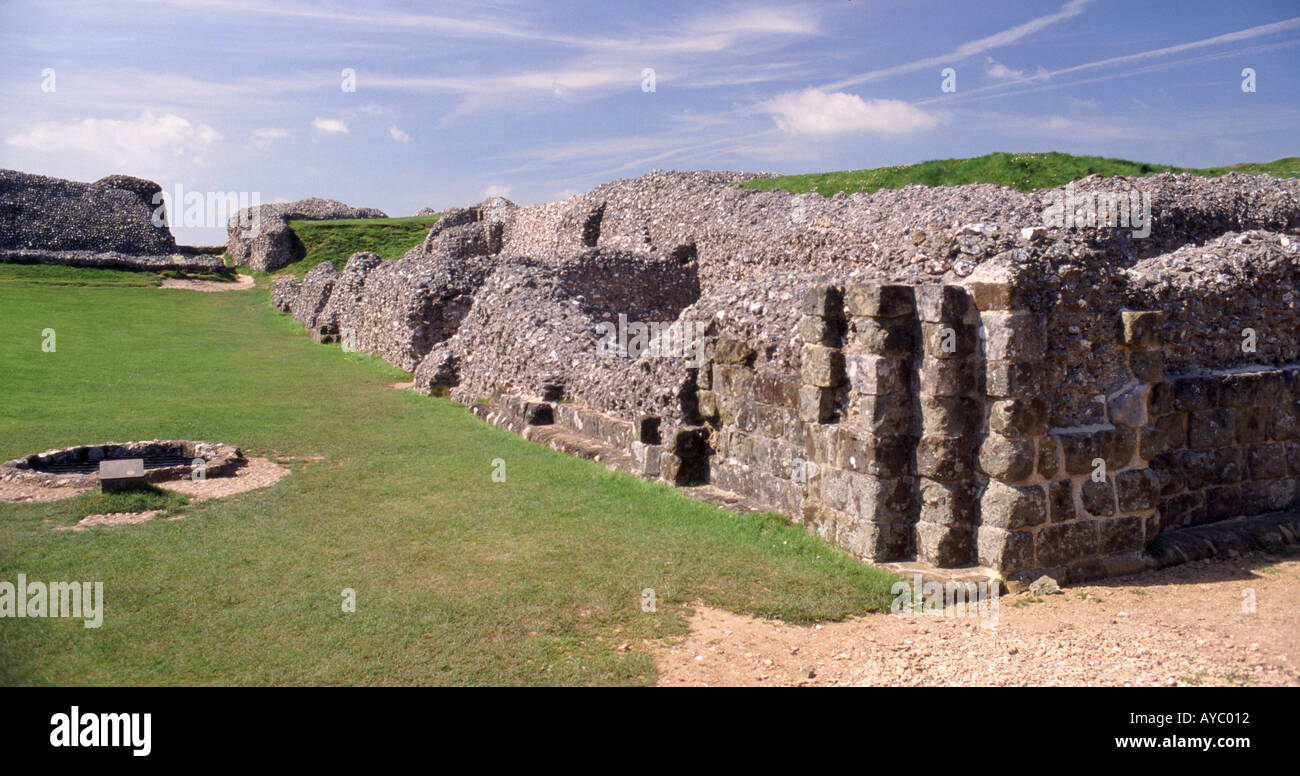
column 1026, row 172
column 458, row 579
column 334, row 241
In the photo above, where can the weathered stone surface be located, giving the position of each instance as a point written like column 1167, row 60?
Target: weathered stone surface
column 879, row 301
column 1015, row 379
column 950, row 459
column 950, row 376
column 946, row 304
column 945, row 503
column 949, row 340
column 1121, row 534
column 822, row 366
column 816, row 404
column 1015, row 336
column 817, row 330
column 870, row 374
column 1141, row 329
column 1129, row 407
column 1097, row 498
column 1211, row 428
column 1049, row 462
column 1009, row 460
column 884, row 337
column 1115, row 446
column 1148, row 366
column 887, row 414
column 945, row 545
column 1266, row 461
column 1004, row 550
column 823, row 300
column 1062, row 543
column 730, row 351
column 951, row 415
column 1136, row 490
column 1018, row 417
column 1060, row 498
column 1010, row 507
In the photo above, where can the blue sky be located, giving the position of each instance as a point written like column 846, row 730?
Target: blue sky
column 454, row 101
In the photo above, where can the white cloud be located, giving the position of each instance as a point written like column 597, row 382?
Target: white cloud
column 399, row 135
column 1000, row 72
column 371, row 109
column 815, row 112
column 265, row 136
column 496, row 190
column 131, row 144
column 330, row 126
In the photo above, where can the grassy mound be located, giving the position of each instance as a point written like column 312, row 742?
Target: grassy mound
column 334, row 241
column 1026, row 172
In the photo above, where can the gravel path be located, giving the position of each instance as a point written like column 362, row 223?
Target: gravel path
column 1185, row 625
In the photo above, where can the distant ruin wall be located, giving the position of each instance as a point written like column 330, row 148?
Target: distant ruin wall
column 108, row 223
column 260, row 237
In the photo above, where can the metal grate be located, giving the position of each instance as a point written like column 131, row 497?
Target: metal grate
column 91, row 467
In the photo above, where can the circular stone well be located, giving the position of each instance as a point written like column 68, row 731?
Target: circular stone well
column 163, row 460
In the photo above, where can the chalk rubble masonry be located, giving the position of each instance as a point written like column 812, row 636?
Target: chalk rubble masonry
column 923, row 374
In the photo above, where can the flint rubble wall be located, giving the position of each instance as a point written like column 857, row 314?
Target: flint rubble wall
column 108, row 223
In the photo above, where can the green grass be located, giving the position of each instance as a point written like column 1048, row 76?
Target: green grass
column 58, row 275
column 458, row 580
column 1026, row 172
column 140, row 499
column 334, row 241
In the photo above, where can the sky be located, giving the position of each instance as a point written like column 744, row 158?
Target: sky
column 403, row 105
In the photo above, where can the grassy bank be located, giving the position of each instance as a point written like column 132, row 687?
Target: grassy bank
column 334, row 241
column 1026, row 172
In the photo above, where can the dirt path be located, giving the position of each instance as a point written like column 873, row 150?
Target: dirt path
column 208, row 286
column 1185, row 625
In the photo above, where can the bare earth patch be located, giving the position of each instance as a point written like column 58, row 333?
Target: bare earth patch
column 28, row 493
column 1184, row 625
column 110, row 519
column 241, row 283
column 403, row 385
column 257, row 473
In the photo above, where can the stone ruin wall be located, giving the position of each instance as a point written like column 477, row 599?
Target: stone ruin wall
column 922, row 373
column 108, row 223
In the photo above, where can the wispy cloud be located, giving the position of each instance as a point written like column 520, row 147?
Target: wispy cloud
column 1000, row 72
column 816, row 112
column 969, row 49
column 330, row 126
column 399, row 135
